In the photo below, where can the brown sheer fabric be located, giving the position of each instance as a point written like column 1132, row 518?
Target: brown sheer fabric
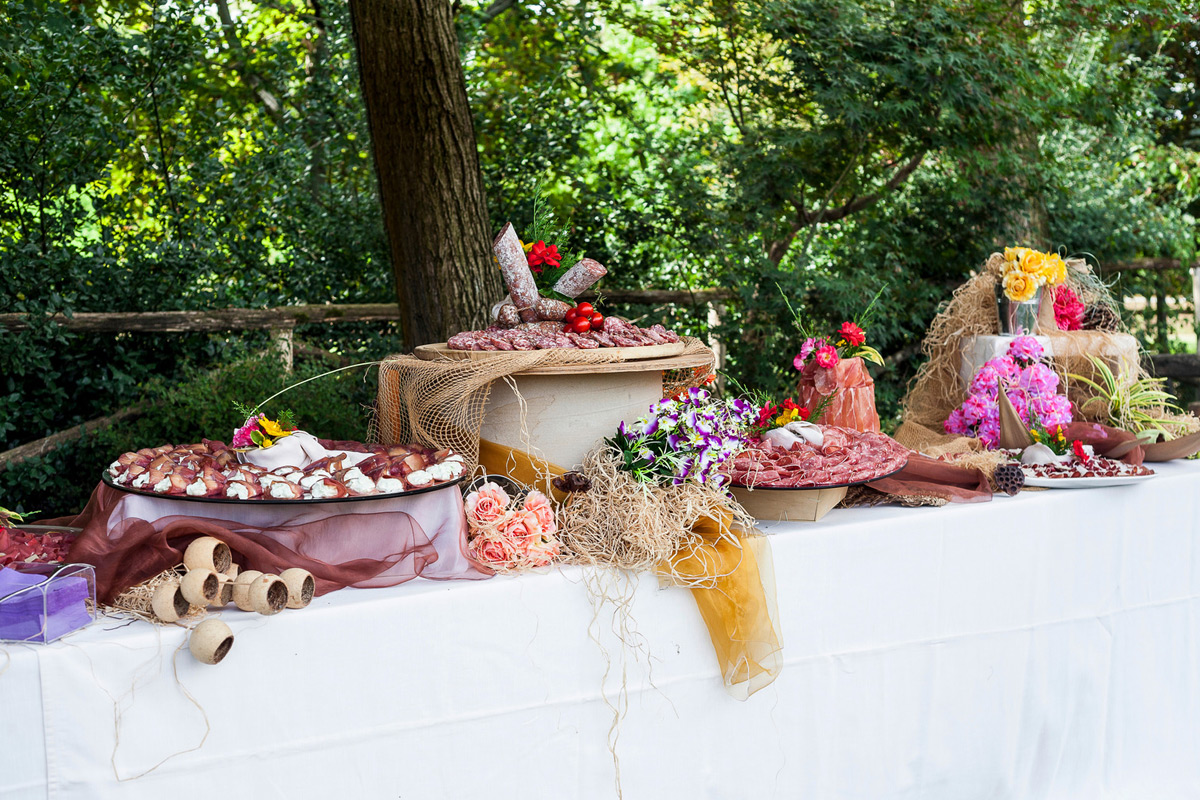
column 1108, row 442
column 128, row 539
column 926, row 477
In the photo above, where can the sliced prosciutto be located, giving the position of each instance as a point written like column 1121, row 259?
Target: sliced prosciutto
column 841, row 456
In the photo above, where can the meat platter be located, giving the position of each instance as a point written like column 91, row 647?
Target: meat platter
column 210, row 472
column 817, row 457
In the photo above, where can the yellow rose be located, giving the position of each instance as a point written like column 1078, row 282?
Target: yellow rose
column 1012, row 259
column 1055, row 269
column 1033, row 263
column 1019, row 287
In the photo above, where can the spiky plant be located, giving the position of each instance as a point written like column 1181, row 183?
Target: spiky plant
column 1134, row 404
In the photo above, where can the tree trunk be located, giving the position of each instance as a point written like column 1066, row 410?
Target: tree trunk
column 429, row 179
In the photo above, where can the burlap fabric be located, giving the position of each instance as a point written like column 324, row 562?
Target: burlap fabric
column 441, row 403
column 972, row 311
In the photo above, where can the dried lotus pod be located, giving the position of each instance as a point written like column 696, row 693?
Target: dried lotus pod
column 210, row 641
column 268, row 595
column 241, row 589
column 1009, row 478
column 168, row 602
column 207, row 552
column 200, row 587
column 301, row 586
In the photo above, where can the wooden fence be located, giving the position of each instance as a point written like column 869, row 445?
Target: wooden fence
column 282, row 321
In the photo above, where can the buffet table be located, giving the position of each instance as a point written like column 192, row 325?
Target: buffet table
column 1044, row 646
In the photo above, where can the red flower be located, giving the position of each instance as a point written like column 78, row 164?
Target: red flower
column 1080, row 453
column 767, row 413
column 827, row 357
column 853, row 334
column 1069, row 310
column 541, row 254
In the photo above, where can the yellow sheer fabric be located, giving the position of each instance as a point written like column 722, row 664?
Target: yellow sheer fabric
column 730, row 570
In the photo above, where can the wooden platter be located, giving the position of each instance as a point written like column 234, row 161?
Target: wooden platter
column 107, row 480
column 638, row 359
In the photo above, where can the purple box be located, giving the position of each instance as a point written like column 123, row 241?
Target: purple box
column 41, row 604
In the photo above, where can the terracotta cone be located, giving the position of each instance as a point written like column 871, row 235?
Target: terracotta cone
column 1013, row 433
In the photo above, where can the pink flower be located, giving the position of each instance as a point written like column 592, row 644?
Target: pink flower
column 957, row 423
column 241, row 437
column 498, row 550
column 827, row 357
column 542, row 552
column 1068, row 309
column 487, row 504
column 1005, row 367
column 806, row 350
column 1051, row 411
column 977, row 408
column 523, row 528
column 539, row 505
column 986, row 381
column 1025, row 348
column 1038, row 380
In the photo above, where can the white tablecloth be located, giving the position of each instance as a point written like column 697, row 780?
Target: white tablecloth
column 1040, row 647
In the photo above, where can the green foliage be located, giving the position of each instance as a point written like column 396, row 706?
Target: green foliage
column 200, row 404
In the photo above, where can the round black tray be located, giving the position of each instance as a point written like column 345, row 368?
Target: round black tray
column 815, row 488
column 108, row 481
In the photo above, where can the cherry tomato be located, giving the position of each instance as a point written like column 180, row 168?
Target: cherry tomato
column 585, row 309
column 572, row 314
column 581, row 325
column 597, row 321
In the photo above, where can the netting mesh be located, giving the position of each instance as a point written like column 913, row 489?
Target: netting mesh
column 441, row 403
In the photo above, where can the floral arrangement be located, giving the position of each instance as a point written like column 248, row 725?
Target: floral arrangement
column 1025, row 270
column 686, row 439
column 775, row 415
column 259, row 431
column 1069, row 310
column 510, row 534
column 1030, row 385
column 848, row 342
column 547, row 251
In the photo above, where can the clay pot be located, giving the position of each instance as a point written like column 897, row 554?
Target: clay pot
column 210, row 641
column 300, row 585
column 207, row 553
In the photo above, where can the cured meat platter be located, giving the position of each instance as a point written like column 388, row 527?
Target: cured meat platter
column 108, row 481
column 1083, row 483
column 435, row 352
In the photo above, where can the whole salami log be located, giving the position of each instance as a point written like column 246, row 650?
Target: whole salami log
column 550, row 309
column 507, row 316
column 579, row 278
column 514, row 267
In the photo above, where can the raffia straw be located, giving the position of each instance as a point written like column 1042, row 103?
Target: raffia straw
column 136, row 600
column 623, row 523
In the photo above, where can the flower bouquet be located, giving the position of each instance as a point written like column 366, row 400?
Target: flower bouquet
column 259, row 431
column 1030, row 385
column 687, row 438
column 833, row 375
column 1023, row 274
column 510, row 533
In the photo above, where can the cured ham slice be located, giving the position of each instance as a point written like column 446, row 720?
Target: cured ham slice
column 847, row 393
column 844, row 456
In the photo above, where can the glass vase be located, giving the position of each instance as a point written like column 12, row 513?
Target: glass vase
column 1018, row 319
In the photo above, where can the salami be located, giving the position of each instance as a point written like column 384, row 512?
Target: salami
column 507, row 316
column 550, row 309
column 547, row 334
column 514, row 267
column 580, row 277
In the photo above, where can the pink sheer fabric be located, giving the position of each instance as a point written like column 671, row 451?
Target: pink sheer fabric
column 928, row 477
column 368, row 543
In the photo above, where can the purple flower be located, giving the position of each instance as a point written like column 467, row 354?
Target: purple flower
column 1025, row 348
column 957, row 423
column 1005, row 367
column 986, row 381
column 976, row 408
column 1038, row 380
column 806, row 350
column 1052, row 411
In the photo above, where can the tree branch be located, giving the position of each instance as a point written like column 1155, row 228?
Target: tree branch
column 251, row 79
column 497, row 8
column 859, row 203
